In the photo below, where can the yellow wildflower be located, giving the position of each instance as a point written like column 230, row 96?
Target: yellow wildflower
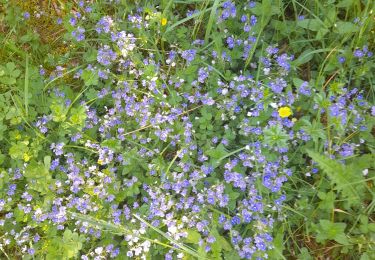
column 164, row 21
column 284, row 112
column 26, row 157
column 100, row 162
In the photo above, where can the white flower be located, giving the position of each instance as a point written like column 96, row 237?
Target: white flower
column 172, row 229
column 99, row 250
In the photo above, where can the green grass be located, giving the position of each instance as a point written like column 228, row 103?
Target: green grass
column 338, row 193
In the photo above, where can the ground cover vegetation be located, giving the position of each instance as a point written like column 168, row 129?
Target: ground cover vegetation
column 195, row 129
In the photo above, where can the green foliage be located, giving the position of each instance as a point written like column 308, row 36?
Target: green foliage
column 48, row 75
column 345, row 179
column 334, row 231
column 9, row 74
column 90, row 77
column 276, row 136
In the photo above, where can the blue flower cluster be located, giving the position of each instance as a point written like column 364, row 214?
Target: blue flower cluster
column 194, row 154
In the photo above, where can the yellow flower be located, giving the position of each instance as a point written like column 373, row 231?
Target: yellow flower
column 164, row 21
column 100, row 162
column 26, row 157
column 284, row 112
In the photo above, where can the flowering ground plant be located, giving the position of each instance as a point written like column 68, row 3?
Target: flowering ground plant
column 186, row 130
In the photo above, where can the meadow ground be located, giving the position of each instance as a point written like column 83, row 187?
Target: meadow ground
column 192, row 129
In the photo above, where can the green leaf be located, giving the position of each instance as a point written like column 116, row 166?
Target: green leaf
column 72, row 243
column 47, row 162
column 8, row 80
column 276, row 252
column 38, row 176
column 193, row 236
column 2, row 130
column 310, row 24
column 78, row 116
column 11, row 70
column 297, row 82
column 17, row 150
column 58, row 112
column 218, row 152
column 35, row 170
column 346, row 3
column 315, row 130
column 112, row 144
column 346, row 27
column 90, row 77
column 303, row 58
column 328, row 230
column 90, row 55
column 276, row 136
column 341, row 177
column 327, row 200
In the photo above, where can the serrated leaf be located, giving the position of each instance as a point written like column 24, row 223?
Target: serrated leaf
column 327, row 200
column 90, row 55
column 328, row 230
column 218, row 152
column 341, row 176
column 90, row 77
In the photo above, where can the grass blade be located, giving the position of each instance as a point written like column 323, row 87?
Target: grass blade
column 173, row 26
column 26, row 90
column 211, row 21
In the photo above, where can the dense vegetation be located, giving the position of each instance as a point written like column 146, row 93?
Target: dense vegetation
column 194, row 129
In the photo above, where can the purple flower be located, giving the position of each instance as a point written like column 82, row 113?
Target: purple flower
column 253, row 20
column 31, row 251
column 235, row 220
column 304, row 89
column 283, row 61
column 189, row 55
column 54, row 164
column 72, row 21
column 202, row 75
column 341, row 59
column 358, row 53
column 42, row 71
column 12, row 189
column 230, row 42
column 106, row 56
column 79, row 34
column 373, row 110
column 278, row 85
column 26, row 15
column 57, row 148
column 346, row 150
column 229, row 10
column 104, row 25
